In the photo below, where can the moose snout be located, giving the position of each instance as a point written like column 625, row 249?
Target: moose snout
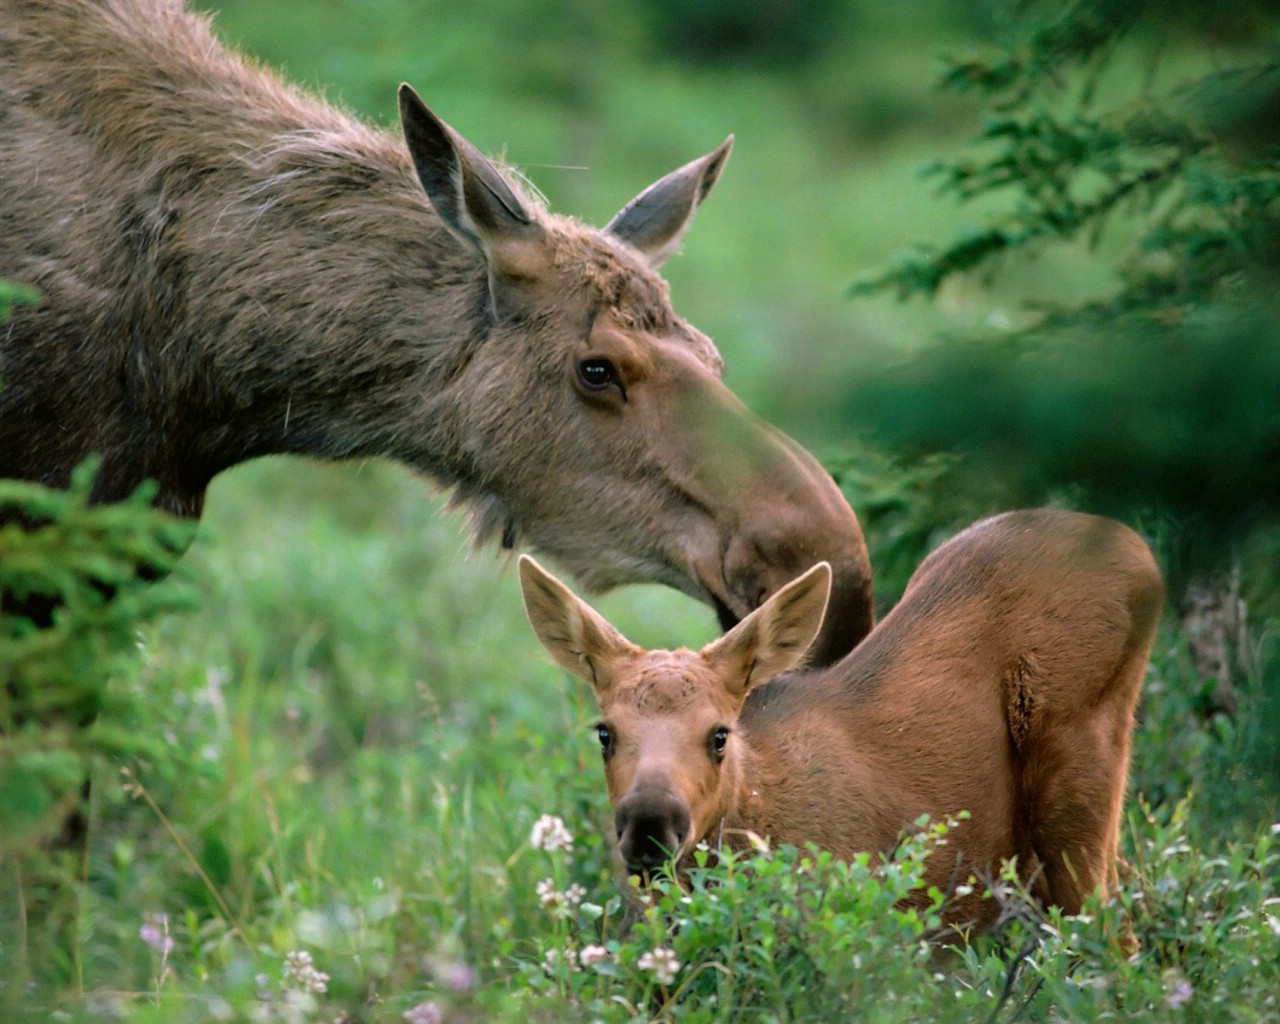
column 783, row 541
column 652, row 826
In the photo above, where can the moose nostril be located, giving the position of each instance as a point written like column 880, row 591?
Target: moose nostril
column 650, row 829
column 680, row 825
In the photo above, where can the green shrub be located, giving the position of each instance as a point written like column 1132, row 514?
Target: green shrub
column 784, row 934
column 76, row 583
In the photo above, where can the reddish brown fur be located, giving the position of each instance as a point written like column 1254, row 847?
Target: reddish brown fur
column 1004, row 683
column 231, row 269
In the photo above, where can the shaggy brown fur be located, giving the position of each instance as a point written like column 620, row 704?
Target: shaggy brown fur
column 232, row 269
column 1004, row 683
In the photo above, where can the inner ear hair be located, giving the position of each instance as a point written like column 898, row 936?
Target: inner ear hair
column 578, row 638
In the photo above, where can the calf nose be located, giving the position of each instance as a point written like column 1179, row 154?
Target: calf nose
column 651, row 828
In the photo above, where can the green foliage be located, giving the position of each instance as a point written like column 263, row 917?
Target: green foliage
column 905, row 506
column 74, row 591
column 743, row 935
column 1076, row 141
column 1159, row 391
column 770, row 32
column 13, row 295
column 794, row 935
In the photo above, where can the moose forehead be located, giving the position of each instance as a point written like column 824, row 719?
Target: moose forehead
column 616, row 279
column 667, row 683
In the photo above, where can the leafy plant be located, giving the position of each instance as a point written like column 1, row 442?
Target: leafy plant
column 75, row 586
column 1156, row 390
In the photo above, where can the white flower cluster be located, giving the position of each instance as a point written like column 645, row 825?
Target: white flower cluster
column 550, row 834
column 556, row 902
column 423, row 1013
column 592, row 955
column 574, row 960
column 300, row 972
column 662, row 962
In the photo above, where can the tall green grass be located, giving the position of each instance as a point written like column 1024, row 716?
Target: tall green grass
column 362, row 732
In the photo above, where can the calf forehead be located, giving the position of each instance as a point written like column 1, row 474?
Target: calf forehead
column 670, row 683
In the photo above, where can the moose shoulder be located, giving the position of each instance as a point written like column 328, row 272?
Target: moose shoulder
column 231, row 269
column 1004, row 683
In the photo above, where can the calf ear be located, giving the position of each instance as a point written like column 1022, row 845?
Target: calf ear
column 574, row 634
column 656, row 219
column 468, row 192
column 776, row 636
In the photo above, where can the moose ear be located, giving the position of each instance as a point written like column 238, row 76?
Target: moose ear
column 776, row 636
column 574, row 634
column 470, row 194
column 656, row 219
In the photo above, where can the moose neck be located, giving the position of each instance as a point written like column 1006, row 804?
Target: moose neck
column 758, row 774
column 339, row 353
column 798, row 776
column 332, row 351
column 266, row 274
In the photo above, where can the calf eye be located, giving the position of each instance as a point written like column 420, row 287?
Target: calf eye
column 605, row 735
column 719, row 740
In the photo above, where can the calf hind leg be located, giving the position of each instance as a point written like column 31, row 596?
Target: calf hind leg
column 1077, row 801
column 1076, row 774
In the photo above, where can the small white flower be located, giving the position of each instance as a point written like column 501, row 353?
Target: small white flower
column 1273, row 923
column 592, row 955
column 549, row 833
column 557, row 960
column 155, row 933
column 423, row 1013
column 547, row 895
column 662, row 963
column 299, row 969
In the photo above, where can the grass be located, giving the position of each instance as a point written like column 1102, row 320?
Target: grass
column 362, row 733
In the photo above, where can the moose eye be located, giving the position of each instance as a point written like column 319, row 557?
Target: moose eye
column 598, row 374
column 605, row 735
column 719, row 740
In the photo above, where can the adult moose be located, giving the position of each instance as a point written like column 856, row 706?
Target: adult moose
column 232, row 269
column 1004, row 683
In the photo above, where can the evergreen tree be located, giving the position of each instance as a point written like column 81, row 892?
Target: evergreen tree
column 1157, row 400
column 1165, row 392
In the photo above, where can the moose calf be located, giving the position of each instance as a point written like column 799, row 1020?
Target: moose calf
column 1003, row 683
